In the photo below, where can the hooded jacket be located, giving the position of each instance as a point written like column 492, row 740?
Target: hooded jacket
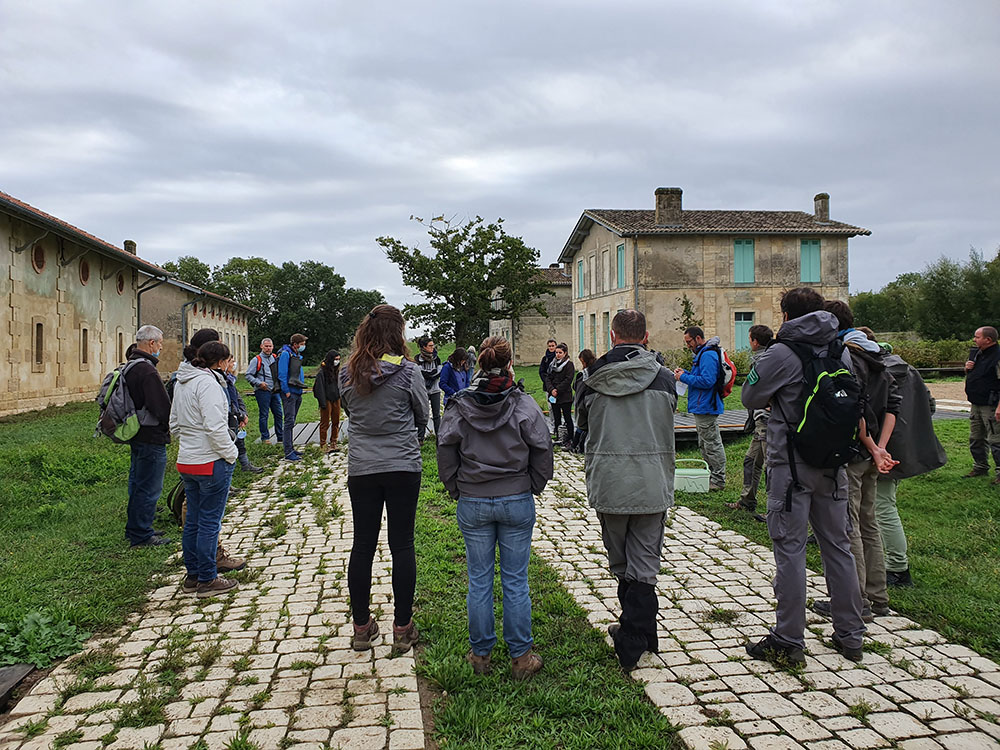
column 702, row 381
column 494, row 444
column 290, row 371
column 326, row 388
column 199, row 417
column 543, row 366
column 382, row 425
column 453, row 381
column 559, row 378
column 913, row 443
column 626, row 405
column 878, row 389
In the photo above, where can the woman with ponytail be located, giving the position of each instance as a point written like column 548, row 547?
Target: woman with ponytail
column 383, row 394
column 199, row 419
column 494, row 454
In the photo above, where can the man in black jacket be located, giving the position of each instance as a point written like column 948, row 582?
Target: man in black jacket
column 982, row 388
column 149, row 446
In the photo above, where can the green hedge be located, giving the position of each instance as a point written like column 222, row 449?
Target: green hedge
column 932, row 353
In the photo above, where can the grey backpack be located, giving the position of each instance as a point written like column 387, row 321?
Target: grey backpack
column 119, row 419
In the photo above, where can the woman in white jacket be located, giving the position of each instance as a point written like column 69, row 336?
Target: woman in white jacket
column 199, row 419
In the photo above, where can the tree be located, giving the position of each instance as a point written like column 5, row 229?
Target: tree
column 188, row 268
column 477, row 272
column 687, row 317
column 249, row 281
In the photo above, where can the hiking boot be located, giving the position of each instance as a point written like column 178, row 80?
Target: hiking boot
column 226, row 564
column 153, row 541
column 901, row 579
column 190, row 585
column 996, row 480
column 768, row 649
column 880, row 610
column 480, row 664
column 741, row 506
column 716, row 487
column 525, row 665
column 364, row 635
column 976, row 473
column 854, row 654
column 251, row 468
column 822, row 608
column 219, row 586
column 404, row 638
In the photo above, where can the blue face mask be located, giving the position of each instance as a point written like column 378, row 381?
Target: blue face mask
column 154, row 355
column 301, row 348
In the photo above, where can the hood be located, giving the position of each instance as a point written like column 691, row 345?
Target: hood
column 714, row 341
column 854, row 336
column 389, row 366
column 188, row 372
column 288, row 348
column 485, row 412
column 623, row 371
column 815, row 328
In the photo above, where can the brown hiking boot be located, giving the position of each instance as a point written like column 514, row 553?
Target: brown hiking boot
column 364, row 635
column 219, row 586
column 480, row 664
column 190, row 585
column 525, row 665
column 404, row 638
column 226, row 564
column 976, row 473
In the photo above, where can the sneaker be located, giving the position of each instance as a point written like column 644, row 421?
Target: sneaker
column 219, row 586
column 226, row 564
column 822, row 608
column 480, row 664
column 716, row 487
column 404, row 638
column 153, row 541
column 768, row 649
column 251, row 468
column 902, row 579
column 525, row 665
column 190, row 585
column 364, row 635
column 854, row 654
column 976, row 473
column 741, row 506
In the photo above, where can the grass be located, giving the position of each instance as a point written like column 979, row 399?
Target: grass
column 580, row 699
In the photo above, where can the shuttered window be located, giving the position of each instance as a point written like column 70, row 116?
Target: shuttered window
column 579, row 278
column 621, row 266
column 579, row 322
column 743, row 270
column 809, row 272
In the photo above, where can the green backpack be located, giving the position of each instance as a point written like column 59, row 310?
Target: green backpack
column 119, row 418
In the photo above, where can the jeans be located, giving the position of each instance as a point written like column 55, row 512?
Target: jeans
column 268, row 401
column 435, row 399
column 329, row 418
column 290, row 405
column 206, row 502
column 397, row 491
column 487, row 522
column 145, row 483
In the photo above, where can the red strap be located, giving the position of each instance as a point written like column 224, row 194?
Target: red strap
column 198, row 470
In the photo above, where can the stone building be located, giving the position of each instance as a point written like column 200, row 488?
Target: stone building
column 179, row 309
column 732, row 267
column 529, row 333
column 70, row 303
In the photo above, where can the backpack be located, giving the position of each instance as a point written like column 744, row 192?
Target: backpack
column 727, row 372
column 119, row 419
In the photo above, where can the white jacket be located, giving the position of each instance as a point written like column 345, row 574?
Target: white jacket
column 199, row 417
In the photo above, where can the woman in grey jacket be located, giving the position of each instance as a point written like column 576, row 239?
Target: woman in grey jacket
column 383, row 394
column 494, row 454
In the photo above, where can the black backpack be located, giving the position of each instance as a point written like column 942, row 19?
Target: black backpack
column 827, row 434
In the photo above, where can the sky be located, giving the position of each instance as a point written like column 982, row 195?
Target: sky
column 304, row 130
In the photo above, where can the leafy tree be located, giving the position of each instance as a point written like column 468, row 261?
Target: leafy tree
column 687, row 317
column 188, row 268
column 476, row 272
column 249, row 281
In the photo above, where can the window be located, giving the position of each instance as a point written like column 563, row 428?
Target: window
column 809, row 262
column 743, row 262
column 120, row 284
column 606, row 327
column 743, row 321
column 621, row 266
column 605, row 270
column 579, row 278
column 84, row 347
column 590, row 275
column 593, row 332
column 37, row 355
column 579, row 324
column 121, row 347
column 38, row 258
column 84, row 272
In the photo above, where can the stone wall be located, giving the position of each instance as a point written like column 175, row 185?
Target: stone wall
column 530, row 334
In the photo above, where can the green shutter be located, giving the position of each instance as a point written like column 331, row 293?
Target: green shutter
column 743, row 262
column 621, row 266
column 579, row 278
column 809, row 262
column 743, row 321
column 579, row 322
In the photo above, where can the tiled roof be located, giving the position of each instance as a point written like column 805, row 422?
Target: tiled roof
column 50, row 222
column 723, row 222
column 556, row 276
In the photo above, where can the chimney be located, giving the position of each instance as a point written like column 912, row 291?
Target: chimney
column 130, row 246
column 553, row 265
column 822, row 206
column 668, row 206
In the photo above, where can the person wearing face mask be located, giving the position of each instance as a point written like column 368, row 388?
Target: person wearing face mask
column 429, row 362
column 559, row 388
column 149, row 446
column 326, row 389
column 237, row 416
column 291, row 382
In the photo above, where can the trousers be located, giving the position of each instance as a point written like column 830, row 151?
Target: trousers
column 753, row 464
column 983, row 434
column 889, row 525
column 710, row 444
column 268, row 402
column 866, row 540
column 329, row 418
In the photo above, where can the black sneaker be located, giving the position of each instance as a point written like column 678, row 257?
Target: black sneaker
column 822, row 608
column 153, row 541
column 768, row 649
column 901, row 579
column 854, row 654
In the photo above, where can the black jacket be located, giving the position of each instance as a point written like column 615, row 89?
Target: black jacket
column 560, row 381
column 543, row 367
column 981, row 383
column 147, row 391
column 327, row 390
column 878, row 388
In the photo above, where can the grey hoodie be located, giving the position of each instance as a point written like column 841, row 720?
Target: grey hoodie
column 494, row 444
column 626, row 405
column 382, row 426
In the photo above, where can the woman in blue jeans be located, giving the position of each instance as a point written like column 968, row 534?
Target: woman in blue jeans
column 199, row 419
column 494, row 454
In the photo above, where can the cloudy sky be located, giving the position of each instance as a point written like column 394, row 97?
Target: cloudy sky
column 304, row 129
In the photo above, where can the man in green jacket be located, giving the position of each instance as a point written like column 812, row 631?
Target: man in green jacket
column 626, row 406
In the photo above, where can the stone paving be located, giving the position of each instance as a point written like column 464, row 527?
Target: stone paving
column 913, row 691
column 269, row 667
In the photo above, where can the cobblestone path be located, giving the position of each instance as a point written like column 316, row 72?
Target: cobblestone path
column 913, row 691
column 272, row 664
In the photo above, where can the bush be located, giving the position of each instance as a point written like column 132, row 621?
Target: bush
column 932, row 353
column 38, row 639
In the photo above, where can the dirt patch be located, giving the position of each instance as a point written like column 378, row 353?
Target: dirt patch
column 952, row 391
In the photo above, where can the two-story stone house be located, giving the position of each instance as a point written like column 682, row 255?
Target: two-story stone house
column 732, row 266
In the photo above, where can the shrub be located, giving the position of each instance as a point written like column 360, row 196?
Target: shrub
column 38, row 639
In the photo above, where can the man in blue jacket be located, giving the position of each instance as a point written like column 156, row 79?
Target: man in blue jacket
column 704, row 401
column 291, row 380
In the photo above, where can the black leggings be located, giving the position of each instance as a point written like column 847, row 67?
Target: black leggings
column 398, row 491
column 559, row 412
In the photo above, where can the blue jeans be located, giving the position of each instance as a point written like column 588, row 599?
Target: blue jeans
column 486, row 522
column 145, row 483
column 206, row 502
column 268, row 401
column 291, row 405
